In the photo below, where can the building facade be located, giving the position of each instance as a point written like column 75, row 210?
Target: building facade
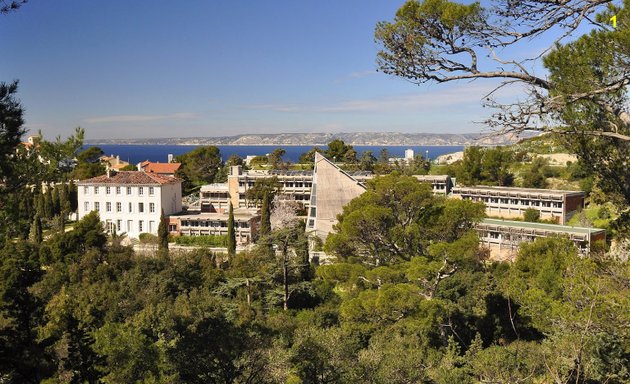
column 508, row 202
column 246, row 223
column 504, row 237
column 332, row 188
column 294, row 185
column 440, row 184
column 130, row 201
column 214, row 198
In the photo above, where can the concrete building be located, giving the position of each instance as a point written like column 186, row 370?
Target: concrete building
column 504, row 237
column 294, row 183
column 130, row 201
column 332, row 188
column 507, row 202
column 246, row 222
column 441, row 184
column 214, row 198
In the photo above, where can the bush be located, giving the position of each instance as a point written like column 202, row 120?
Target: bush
column 531, row 215
column 206, row 241
column 147, row 238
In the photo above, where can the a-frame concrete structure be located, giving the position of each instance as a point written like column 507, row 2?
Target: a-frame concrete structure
column 332, row 189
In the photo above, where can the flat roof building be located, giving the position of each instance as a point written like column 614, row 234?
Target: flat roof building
column 504, row 237
column 246, row 225
column 440, row 184
column 509, row 202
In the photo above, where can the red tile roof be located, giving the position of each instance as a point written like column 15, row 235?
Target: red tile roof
column 131, row 177
column 169, row 168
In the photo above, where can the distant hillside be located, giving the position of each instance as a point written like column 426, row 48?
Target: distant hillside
column 353, row 138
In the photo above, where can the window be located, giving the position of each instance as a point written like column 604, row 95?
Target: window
column 141, row 207
column 118, row 225
column 86, row 190
column 119, row 207
column 152, row 207
column 97, row 206
column 108, row 190
column 96, row 190
column 118, row 190
column 140, row 191
column 151, row 191
column 151, row 226
column 140, row 226
column 86, row 206
column 129, row 225
column 108, row 206
column 129, row 190
column 172, row 227
column 130, row 207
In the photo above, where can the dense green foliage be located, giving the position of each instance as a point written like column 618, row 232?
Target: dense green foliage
column 203, row 240
column 77, row 308
column 200, row 166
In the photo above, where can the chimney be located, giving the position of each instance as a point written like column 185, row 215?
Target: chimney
column 170, row 157
column 109, row 172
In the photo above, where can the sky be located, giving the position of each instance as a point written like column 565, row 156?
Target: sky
column 136, row 69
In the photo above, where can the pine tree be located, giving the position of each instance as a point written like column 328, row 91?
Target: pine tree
column 231, row 245
column 36, row 234
column 265, row 219
column 163, row 233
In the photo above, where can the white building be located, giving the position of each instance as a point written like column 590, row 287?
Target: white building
column 130, row 201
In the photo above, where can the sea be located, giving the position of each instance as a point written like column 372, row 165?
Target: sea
column 135, row 153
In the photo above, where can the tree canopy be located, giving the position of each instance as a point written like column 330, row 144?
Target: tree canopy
column 582, row 96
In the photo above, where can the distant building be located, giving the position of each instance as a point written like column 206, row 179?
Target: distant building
column 440, row 184
column 331, row 189
column 113, row 162
column 409, row 156
column 246, row 225
column 130, row 201
column 508, row 202
column 162, row 169
column 504, row 237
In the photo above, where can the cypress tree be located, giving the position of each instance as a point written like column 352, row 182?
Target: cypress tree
column 64, row 199
column 163, row 233
column 265, row 218
column 48, row 204
column 56, row 201
column 41, row 205
column 72, row 196
column 36, row 234
column 231, row 241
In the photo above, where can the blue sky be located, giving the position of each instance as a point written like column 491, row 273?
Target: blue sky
column 132, row 69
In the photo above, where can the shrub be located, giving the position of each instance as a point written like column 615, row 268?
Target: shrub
column 531, row 215
column 147, row 238
column 207, row 240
